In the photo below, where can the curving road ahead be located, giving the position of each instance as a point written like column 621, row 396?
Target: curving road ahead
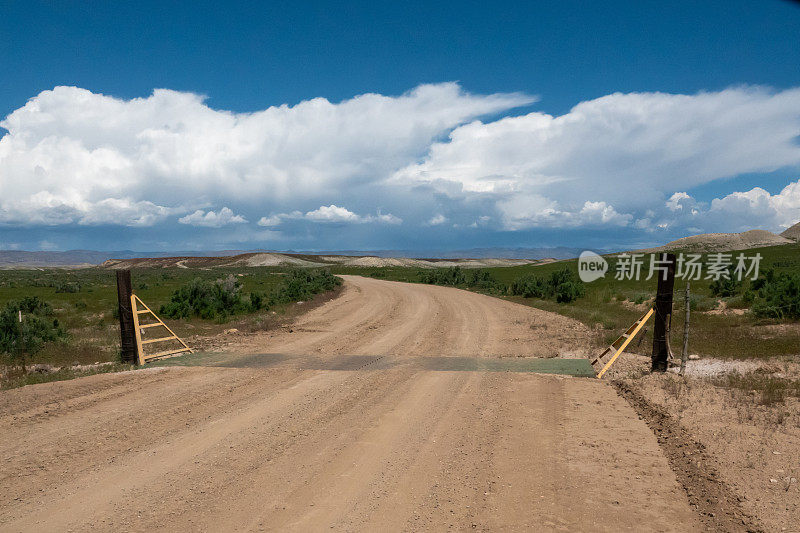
column 344, row 430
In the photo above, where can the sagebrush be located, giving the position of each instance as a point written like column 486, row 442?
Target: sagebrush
column 25, row 326
column 222, row 298
column 561, row 286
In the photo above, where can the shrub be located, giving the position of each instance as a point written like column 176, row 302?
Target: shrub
column 561, row 285
column 456, row 276
column 748, row 297
column 302, row 284
column 530, row 286
column 67, row 287
column 778, row 295
column 444, row 276
column 222, row 298
column 258, row 300
column 18, row 339
column 483, row 280
column 206, row 299
column 569, row 291
column 726, row 287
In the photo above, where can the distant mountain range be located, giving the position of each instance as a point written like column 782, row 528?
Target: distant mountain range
column 707, row 242
column 86, row 258
column 83, row 258
column 559, row 252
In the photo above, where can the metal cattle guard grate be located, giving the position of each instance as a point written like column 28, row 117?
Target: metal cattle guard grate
column 136, row 302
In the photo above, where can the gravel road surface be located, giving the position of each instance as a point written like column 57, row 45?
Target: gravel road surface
column 344, row 430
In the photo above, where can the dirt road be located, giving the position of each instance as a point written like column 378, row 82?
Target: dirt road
column 344, row 430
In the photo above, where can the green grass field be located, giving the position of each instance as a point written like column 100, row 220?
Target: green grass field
column 85, row 300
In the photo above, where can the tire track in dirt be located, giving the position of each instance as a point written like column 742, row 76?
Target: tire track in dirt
column 107, row 486
column 98, row 430
column 718, row 506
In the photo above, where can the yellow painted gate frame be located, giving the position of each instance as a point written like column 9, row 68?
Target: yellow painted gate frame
column 143, row 358
column 628, row 336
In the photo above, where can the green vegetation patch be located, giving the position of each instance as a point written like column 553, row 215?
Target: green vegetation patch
column 211, row 300
column 778, row 295
column 562, row 285
column 20, row 379
column 25, row 326
column 221, row 298
column 70, row 316
column 478, row 279
column 769, row 389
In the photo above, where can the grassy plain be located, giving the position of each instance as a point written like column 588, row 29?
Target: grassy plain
column 84, row 301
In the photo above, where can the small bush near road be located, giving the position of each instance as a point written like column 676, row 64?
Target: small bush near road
column 453, row 276
column 302, row 284
column 530, row 286
column 484, row 281
column 778, row 295
column 457, row 277
column 561, row 286
column 21, row 339
column 569, row 291
column 222, row 298
column 207, row 299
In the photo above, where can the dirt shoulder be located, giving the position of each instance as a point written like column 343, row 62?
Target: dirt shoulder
column 734, row 449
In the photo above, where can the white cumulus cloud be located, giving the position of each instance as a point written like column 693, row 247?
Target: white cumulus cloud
column 332, row 213
column 74, row 157
column 329, row 214
column 437, row 220
column 759, row 208
column 212, row 219
column 625, row 150
column 675, row 201
column 524, row 211
column 171, row 150
column 736, row 211
column 47, row 209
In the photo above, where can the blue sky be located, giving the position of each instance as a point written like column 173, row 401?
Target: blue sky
column 689, row 122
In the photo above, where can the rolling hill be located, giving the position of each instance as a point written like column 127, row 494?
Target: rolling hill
column 792, row 233
column 723, row 242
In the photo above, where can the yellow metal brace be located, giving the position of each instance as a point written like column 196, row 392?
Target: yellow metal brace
column 143, row 358
column 628, row 336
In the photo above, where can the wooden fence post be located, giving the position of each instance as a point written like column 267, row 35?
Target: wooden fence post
column 126, row 328
column 663, row 312
column 685, row 352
